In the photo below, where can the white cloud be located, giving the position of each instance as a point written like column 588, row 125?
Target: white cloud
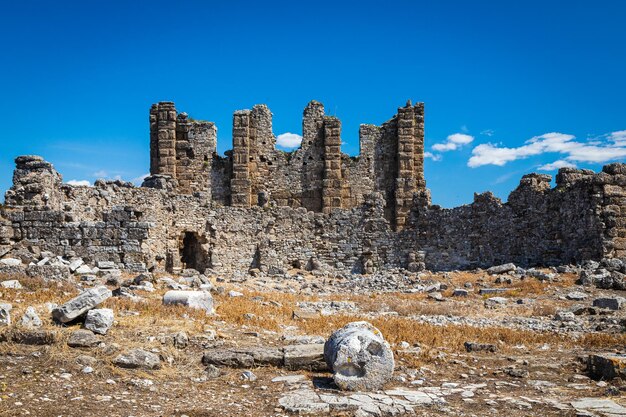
column 433, row 156
column 453, row 142
column 556, row 165
column 139, row 180
column 574, row 151
column 619, row 137
column 288, row 140
column 487, row 132
column 83, row 183
column 101, row 174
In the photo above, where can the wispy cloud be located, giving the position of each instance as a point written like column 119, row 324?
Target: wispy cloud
column 100, row 174
column 84, row 183
column 553, row 166
column 487, row 132
column 434, row 157
column 611, row 147
column 288, row 140
column 138, row 180
column 453, row 142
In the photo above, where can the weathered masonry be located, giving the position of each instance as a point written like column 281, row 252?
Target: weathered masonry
column 314, row 208
column 317, row 176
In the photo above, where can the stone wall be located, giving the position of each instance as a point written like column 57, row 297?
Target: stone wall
column 317, row 176
column 261, row 208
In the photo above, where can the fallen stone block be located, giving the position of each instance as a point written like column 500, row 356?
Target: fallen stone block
column 194, row 299
column 79, row 305
column 138, row 358
column 83, row 339
column 495, row 302
column 611, row 303
column 501, row 269
column 243, row 358
column 306, row 357
column 30, row 318
column 361, row 360
column 479, row 347
column 11, row 262
column 607, row 366
column 12, row 284
column 484, row 291
column 32, row 337
column 99, row 320
column 5, row 314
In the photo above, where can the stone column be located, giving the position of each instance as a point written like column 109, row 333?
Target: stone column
column 240, row 188
column 406, row 183
column 165, row 151
column 332, row 183
column 184, row 155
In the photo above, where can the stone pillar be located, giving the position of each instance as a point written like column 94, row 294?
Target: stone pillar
column 154, row 139
column 240, row 188
column 406, row 183
column 332, row 183
column 184, row 173
column 163, row 139
column 419, row 146
column 312, row 124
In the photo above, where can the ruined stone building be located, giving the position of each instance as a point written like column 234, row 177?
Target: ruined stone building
column 315, row 207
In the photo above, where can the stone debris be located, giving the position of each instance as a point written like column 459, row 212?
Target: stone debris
column 501, row 269
column 359, row 357
column 83, row 339
column 5, row 314
column 30, row 318
column 79, row 305
column 138, row 358
column 12, row 284
column 398, row 401
column 611, row 303
column 602, row 406
column 99, row 320
column 194, row 299
column 10, row 262
column 305, row 356
column 607, row 366
column 35, row 337
column 479, row 347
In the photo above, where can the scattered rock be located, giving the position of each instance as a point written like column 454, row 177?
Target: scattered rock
column 501, row 269
column 305, row 357
column 12, row 284
column 138, row 358
column 495, row 302
column 30, row 318
column 5, row 314
column 243, row 358
column 10, row 262
column 33, row 337
column 82, row 339
column 611, row 303
column 460, row 292
column 607, row 366
column 99, row 320
column 479, row 347
column 576, row 296
column 194, row 299
column 79, row 305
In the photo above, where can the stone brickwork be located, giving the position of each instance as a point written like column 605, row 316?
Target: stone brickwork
column 258, row 207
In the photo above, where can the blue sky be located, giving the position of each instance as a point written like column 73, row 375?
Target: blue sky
column 77, row 79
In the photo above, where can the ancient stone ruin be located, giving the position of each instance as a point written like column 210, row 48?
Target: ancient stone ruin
column 259, row 208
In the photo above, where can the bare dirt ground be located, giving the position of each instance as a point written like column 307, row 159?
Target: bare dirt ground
column 537, row 368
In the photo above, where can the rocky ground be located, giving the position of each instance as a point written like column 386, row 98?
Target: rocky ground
column 465, row 343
